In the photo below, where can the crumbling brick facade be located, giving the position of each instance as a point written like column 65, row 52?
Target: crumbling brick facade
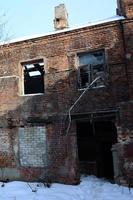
column 35, row 143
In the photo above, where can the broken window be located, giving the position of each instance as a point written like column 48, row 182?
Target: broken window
column 33, row 73
column 91, row 66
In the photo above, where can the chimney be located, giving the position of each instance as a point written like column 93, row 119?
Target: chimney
column 61, row 17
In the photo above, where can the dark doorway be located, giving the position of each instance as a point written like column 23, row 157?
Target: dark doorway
column 95, row 140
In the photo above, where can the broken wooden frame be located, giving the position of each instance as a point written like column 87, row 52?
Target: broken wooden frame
column 91, row 66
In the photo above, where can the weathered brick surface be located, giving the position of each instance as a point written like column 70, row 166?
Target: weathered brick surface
column 50, row 110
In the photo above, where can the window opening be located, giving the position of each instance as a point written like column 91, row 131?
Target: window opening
column 33, row 73
column 91, row 66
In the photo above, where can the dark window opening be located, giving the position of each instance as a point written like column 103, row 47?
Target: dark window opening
column 91, row 66
column 33, row 77
column 94, row 141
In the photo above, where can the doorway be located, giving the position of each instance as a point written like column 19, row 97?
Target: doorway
column 94, row 142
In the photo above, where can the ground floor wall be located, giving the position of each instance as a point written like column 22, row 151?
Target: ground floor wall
column 47, row 152
column 37, row 153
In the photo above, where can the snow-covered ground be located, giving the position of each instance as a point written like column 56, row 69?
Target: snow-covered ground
column 90, row 188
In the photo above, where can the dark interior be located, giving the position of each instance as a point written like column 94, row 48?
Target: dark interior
column 94, row 140
column 33, row 83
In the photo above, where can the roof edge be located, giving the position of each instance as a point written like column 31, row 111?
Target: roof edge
column 36, row 36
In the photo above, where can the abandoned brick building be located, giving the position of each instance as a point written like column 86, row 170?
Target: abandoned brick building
column 66, row 101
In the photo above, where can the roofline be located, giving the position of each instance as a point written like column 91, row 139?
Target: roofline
column 91, row 24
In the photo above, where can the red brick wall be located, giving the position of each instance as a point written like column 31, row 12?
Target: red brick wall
column 59, row 52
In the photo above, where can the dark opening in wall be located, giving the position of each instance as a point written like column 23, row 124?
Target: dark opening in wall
column 94, row 142
column 33, row 75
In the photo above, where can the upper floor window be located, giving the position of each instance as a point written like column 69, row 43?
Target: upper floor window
column 91, row 66
column 33, row 77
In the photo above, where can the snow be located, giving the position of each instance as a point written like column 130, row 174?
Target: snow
column 111, row 19
column 90, row 188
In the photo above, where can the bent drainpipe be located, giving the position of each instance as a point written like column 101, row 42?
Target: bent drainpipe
column 70, row 109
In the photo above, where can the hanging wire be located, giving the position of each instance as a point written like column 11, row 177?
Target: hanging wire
column 69, row 112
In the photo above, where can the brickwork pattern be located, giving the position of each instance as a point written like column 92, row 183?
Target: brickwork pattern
column 30, row 114
column 32, row 146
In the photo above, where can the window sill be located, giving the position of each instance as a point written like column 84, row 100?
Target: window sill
column 82, row 89
column 25, row 95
